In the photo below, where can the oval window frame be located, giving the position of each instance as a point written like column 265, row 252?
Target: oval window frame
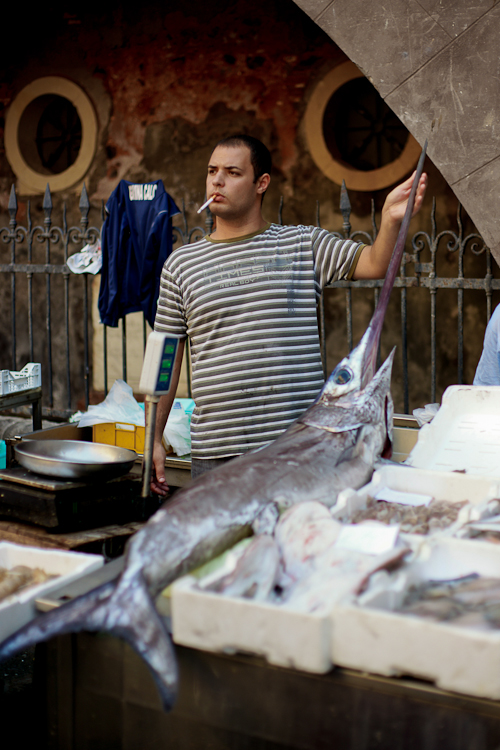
column 336, row 171
column 30, row 178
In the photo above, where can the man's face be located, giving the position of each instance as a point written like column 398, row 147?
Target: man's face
column 231, row 179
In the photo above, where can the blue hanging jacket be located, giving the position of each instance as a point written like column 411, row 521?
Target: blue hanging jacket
column 136, row 240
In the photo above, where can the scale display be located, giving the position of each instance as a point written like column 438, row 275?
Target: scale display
column 159, row 360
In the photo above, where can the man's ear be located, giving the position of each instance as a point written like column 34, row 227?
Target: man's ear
column 263, row 183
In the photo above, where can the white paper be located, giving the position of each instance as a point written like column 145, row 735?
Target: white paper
column 404, row 498
column 368, row 537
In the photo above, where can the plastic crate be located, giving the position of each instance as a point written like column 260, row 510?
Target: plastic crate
column 120, row 433
column 24, row 380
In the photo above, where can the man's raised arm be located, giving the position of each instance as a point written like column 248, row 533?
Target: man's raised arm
column 374, row 259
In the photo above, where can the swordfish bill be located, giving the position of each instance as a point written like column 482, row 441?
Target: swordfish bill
column 374, row 330
column 332, row 446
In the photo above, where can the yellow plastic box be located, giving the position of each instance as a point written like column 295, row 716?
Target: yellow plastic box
column 121, row 434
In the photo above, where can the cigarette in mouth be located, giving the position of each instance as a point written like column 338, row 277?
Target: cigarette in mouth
column 207, row 203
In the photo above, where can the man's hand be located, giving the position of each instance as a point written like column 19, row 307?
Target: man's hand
column 374, row 259
column 395, row 204
column 158, row 483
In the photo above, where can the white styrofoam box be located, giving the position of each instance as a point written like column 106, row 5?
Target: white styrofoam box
column 480, row 492
column 213, row 622
column 19, row 608
column 464, row 435
column 13, row 382
column 457, row 658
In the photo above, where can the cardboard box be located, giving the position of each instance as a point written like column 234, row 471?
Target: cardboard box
column 404, row 440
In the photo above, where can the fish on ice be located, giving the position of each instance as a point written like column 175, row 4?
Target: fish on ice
column 300, row 566
column 333, row 445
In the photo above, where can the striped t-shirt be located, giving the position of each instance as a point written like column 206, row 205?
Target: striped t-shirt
column 249, row 308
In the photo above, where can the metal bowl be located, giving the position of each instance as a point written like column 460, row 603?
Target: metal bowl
column 74, row 459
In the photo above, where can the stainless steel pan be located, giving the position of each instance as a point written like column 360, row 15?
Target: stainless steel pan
column 74, row 459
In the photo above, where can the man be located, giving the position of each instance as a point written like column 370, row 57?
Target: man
column 246, row 296
column 488, row 369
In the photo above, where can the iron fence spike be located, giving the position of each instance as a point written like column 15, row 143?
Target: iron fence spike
column 13, row 202
column 345, row 203
column 84, row 204
column 345, row 210
column 47, row 199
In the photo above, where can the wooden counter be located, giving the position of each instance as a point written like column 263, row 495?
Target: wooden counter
column 99, row 694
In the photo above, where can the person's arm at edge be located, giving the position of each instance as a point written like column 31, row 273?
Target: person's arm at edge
column 158, row 484
column 374, row 259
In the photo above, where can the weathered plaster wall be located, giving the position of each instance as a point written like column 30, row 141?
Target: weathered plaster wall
column 168, row 80
column 436, row 63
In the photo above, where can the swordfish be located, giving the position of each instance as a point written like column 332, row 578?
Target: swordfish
column 332, row 446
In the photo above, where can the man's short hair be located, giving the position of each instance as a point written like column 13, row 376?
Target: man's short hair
column 259, row 153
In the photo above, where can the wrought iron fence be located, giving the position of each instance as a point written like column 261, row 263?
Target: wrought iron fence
column 419, row 270
column 417, row 273
column 26, row 244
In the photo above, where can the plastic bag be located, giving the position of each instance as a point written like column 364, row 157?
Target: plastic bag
column 426, row 414
column 88, row 260
column 177, row 431
column 118, row 406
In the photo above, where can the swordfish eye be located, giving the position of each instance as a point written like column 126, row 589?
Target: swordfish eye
column 342, row 375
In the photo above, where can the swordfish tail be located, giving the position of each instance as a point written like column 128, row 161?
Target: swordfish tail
column 132, row 617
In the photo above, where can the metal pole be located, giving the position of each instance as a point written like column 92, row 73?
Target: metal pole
column 147, row 464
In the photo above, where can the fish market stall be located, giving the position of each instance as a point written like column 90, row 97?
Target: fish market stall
column 98, row 693
column 391, row 580
column 368, row 670
column 358, row 669
column 291, row 585
column 92, row 690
